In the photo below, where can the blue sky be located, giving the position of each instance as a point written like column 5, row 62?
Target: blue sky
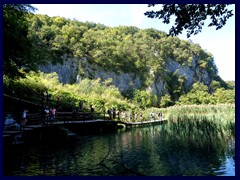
column 220, row 43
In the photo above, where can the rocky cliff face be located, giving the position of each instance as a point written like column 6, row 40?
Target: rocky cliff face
column 69, row 72
column 192, row 74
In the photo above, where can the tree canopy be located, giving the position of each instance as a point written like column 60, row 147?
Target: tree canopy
column 16, row 44
column 191, row 16
column 20, row 52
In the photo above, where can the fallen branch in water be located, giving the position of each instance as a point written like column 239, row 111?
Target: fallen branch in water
column 126, row 169
column 101, row 162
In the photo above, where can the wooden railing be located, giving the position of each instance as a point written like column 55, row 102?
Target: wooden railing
column 39, row 118
column 36, row 118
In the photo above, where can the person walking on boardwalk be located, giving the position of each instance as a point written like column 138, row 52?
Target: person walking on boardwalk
column 23, row 120
column 152, row 116
column 159, row 116
column 46, row 112
column 74, row 113
column 141, row 117
column 109, row 111
column 114, row 113
column 92, row 111
column 52, row 113
column 130, row 117
column 135, row 116
column 118, row 115
column 124, row 116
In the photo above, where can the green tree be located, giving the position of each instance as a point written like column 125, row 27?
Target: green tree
column 224, row 96
column 165, row 101
column 197, row 95
column 144, row 99
column 23, row 49
column 191, row 16
column 17, row 47
column 214, row 85
column 231, row 84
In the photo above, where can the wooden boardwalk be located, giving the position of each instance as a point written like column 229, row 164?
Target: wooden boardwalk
column 151, row 122
column 39, row 121
column 70, row 120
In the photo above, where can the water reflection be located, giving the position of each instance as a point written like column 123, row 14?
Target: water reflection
column 150, row 151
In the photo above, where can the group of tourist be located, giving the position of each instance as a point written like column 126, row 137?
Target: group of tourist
column 130, row 116
column 116, row 114
column 113, row 114
column 159, row 116
column 49, row 113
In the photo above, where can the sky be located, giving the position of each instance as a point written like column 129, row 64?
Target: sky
column 220, row 43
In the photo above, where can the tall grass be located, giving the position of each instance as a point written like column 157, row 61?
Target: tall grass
column 204, row 127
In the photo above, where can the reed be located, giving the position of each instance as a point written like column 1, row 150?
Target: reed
column 206, row 128
column 203, row 128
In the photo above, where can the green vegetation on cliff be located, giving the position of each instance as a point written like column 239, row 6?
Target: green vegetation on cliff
column 142, row 52
column 31, row 40
column 105, row 95
column 120, row 49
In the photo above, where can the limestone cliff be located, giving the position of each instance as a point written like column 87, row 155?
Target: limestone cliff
column 73, row 71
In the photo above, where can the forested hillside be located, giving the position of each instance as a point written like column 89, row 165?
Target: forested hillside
column 151, row 59
column 148, row 67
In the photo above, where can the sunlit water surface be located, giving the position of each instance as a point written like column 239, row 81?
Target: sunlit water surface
column 139, row 151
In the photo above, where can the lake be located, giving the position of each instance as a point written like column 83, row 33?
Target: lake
column 139, row 151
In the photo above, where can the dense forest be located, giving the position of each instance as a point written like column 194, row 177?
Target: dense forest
column 121, row 49
column 148, row 55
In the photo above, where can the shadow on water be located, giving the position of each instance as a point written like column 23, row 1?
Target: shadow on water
column 196, row 147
